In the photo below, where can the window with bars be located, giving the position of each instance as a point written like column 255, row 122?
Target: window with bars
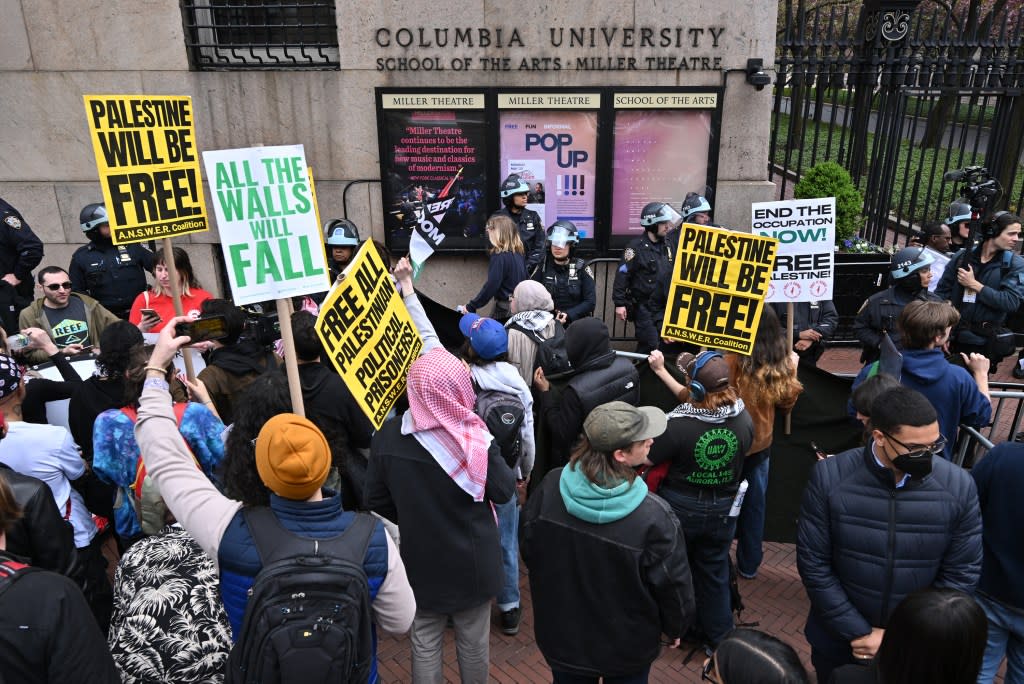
column 260, row 34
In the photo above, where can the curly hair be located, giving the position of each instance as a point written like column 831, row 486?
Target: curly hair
column 263, row 399
column 120, row 343
column 768, row 370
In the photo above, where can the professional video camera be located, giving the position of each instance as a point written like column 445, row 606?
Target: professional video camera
column 980, row 189
column 261, row 325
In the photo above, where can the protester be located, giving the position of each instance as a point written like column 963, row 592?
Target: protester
column 485, row 352
column 111, row 274
column 986, row 284
column 599, row 376
column 233, row 362
column 646, row 263
column 20, row 251
column 293, row 459
column 960, row 397
column 910, row 275
column 40, row 537
column 153, row 308
column 39, row 390
column 814, row 324
column 569, row 280
column 606, row 559
column 708, row 435
column 168, row 623
column 865, row 394
column 934, row 635
column 532, row 311
column 73, row 321
column 766, row 381
column 880, row 522
column 47, row 635
column 999, row 477
column 936, row 236
column 117, row 455
column 437, row 473
column 515, row 196
column 749, row 656
column 505, row 270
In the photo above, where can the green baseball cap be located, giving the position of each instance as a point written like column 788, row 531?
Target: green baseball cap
column 616, row 425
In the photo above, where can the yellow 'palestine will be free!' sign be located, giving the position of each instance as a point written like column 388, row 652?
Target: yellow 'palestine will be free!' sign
column 148, row 166
column 719, row 281
column 368, row 334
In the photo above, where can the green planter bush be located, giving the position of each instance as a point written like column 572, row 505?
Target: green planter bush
column 829, row 179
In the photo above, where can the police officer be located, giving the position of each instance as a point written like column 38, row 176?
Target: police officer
column 20, row 250
column 568, row 279
column 910, row 275
column 959, row 223
column 113, row 275
column 342, row 238
column 646, row 262
column 514, row 194
column 696, row 209
column 814, row 323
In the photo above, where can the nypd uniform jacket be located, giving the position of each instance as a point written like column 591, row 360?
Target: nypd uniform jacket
column 643, row 264
column 571, row 286
column 111, row 274
column 878, row 314
column 531, row 232
column 20, row 249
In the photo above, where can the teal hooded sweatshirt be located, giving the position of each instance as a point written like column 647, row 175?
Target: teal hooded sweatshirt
column 594, row 504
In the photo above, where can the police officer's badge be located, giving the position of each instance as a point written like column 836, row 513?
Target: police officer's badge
column 589, row 272
column 13, row 221
column 628, row 254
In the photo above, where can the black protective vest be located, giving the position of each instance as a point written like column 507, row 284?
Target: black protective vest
column 618, row 382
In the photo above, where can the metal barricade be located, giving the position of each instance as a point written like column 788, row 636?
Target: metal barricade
column 1007, row 414
column 604, row 271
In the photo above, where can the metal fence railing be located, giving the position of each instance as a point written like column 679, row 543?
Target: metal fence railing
column 604, row 277
column 1007, row 415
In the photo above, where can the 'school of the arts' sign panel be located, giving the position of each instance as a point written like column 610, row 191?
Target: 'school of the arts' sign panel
column 806, row 231
column 265, row 210
column 368, row 335
column 719, row 282
column 147, row 164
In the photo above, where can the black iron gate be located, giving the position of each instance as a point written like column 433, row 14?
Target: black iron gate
column 899, row 92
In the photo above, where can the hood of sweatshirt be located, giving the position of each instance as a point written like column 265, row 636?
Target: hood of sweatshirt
column 599, row 505
column 502, row 376
column 588, row 344
column 926, row 366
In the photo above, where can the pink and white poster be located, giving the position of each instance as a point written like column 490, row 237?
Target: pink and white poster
column 556, row 153
column 659, row 156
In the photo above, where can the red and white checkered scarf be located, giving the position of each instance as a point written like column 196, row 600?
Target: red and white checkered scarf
column 441, row 400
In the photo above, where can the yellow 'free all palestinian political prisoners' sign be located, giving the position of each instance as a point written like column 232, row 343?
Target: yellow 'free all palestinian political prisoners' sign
column 368, row 334
column 719, row 281
column 148, row 166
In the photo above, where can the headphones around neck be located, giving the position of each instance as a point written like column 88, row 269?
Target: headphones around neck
column 697, row 390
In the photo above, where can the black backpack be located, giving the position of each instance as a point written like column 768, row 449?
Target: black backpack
column 308, row 616
column 504, row 414
column 552, row 355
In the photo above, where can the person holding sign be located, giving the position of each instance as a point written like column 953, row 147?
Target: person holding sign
column 506, row 269
column 569, row 280
column 152, row 309
column 646, row 262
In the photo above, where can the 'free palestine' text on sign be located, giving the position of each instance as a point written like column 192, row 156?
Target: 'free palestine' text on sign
column 719, row 280
column 147, row 163
column 368, row 334
column 267, row 220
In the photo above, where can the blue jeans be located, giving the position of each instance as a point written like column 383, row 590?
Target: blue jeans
column 750, row 527
column 708, row 530
column 508, row 529
column 569, row 678
column 1005, row 638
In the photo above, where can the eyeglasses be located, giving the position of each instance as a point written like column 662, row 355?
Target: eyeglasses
column 919, row 450
column 53, row 287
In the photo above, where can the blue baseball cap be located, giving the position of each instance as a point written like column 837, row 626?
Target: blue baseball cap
column 486, row 335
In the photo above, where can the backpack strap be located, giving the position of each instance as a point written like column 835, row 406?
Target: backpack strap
column 274, row 542
column 11, row 571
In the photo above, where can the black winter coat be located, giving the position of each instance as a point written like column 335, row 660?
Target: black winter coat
column 863, row 545
column 628, row 582
column 450, row 543
column 41, row 535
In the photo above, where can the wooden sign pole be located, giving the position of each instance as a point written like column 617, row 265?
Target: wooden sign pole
column 789, row 345
column 291, row 364
column 179, row 310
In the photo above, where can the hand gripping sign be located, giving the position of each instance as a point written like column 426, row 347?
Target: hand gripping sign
column 719, row 281
column 368, row 335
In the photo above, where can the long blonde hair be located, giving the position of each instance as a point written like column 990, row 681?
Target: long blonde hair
column 505, row 235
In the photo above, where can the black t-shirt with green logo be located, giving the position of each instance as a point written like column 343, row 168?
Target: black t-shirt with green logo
column 704, row 454
column 69, row 325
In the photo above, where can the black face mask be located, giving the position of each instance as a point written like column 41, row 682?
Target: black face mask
column 916, row 467
column 911, row 284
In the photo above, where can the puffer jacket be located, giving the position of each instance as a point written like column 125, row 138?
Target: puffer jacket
column 863, row 545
